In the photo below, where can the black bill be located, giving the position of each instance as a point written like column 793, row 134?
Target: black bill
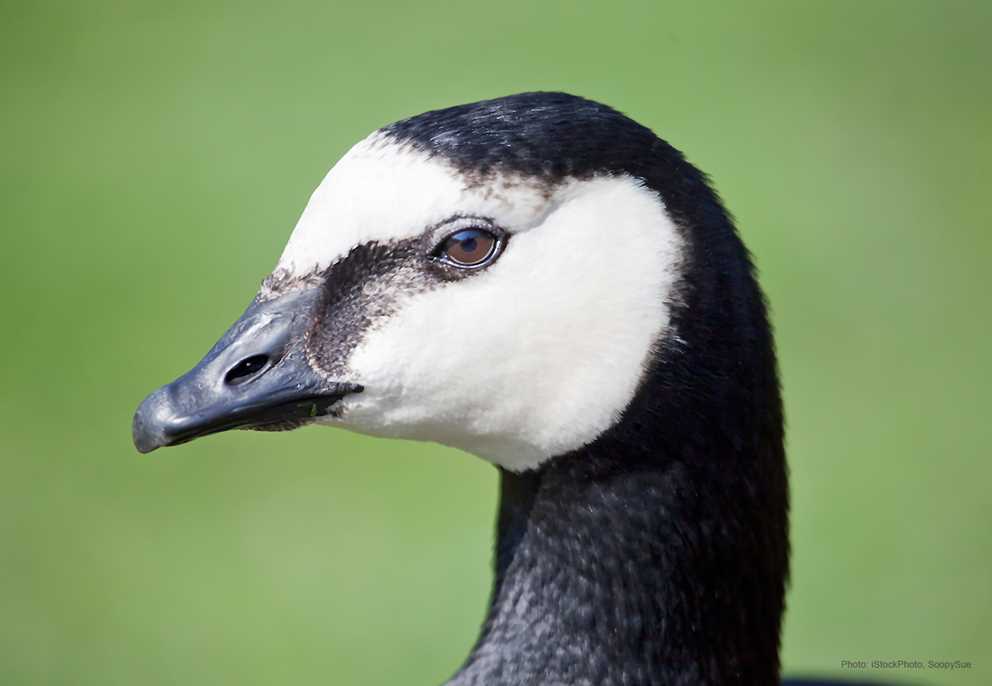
column 257, row 376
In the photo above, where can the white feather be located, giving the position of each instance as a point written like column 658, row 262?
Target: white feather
column 533, row 357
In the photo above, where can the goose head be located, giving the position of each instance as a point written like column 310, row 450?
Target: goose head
column 453, row 279
column 542, row 282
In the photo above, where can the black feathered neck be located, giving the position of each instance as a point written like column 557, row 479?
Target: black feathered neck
column 658, row 554
column 612, row 571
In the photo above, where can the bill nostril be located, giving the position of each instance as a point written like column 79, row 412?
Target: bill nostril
column 246, row 369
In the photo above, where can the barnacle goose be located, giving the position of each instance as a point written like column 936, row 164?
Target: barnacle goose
column 542, row 282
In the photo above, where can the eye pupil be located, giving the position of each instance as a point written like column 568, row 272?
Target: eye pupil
column 469, row 247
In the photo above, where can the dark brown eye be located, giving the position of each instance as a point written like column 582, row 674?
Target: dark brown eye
column 469, row 248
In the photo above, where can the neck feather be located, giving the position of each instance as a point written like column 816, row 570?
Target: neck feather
column 612, row 571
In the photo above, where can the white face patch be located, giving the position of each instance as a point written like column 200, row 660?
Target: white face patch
column 532, row 357
column 380, row 191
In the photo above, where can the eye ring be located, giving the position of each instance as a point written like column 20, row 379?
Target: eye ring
column 470, row 247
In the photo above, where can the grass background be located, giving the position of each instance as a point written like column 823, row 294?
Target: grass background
column 156, row 156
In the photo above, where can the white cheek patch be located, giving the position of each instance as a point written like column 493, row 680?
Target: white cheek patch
column 540, row 353
column 383, row 191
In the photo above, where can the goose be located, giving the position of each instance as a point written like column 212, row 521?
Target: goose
column 542, row 282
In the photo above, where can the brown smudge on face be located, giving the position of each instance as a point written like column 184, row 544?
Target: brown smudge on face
column 359, row 292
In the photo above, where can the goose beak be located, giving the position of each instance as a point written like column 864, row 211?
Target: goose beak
column 257, row 376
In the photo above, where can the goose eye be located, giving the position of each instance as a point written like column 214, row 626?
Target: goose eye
column 469, row 248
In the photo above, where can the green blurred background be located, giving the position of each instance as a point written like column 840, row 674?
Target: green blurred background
column 155, row 158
